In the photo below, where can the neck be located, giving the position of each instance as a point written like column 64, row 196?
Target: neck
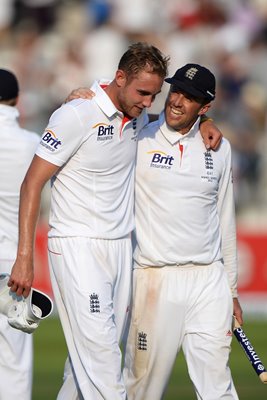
column 11, row 102
column 112, row 92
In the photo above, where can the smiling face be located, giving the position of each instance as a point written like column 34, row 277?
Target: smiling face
column 137, row 92
column 182, row 110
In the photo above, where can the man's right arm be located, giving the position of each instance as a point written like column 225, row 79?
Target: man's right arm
column 39, row 172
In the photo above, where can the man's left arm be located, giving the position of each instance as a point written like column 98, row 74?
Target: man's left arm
column 211, row 135
column 226, row 210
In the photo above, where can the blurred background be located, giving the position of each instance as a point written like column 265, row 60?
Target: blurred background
column 54, row 46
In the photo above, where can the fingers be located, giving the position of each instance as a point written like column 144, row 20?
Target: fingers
column 207, row 145
column 80, row 93
column 18, row 288
column 239, row 318
column 214, row 142
column 84, row 93
column 238, row 313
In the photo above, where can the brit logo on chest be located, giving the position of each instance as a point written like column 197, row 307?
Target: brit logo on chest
column 160, row 159
column 104, row 131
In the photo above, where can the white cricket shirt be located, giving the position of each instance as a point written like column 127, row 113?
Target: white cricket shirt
column 184, row 200
column 93, row 192
column 17, row 148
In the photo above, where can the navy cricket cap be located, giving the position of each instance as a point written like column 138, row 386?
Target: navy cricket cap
column 195, row 80
column 9, row 87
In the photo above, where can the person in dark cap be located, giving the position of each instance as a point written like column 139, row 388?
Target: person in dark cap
column 17, row 147
column 185, row 262
column 195, row 80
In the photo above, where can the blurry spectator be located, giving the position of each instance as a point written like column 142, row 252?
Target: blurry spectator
column 6, row 15
column 43, row 12
column 99, row 11
column 135, row 17
column 102, row 47
column 70, row 71
column 234, row 112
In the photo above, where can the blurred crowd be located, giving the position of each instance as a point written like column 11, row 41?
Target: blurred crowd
column 55, row 46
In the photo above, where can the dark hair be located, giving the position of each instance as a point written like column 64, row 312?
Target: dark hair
column 142, row 56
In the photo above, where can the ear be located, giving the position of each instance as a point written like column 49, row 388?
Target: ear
column 204, row 109
column 120, row 78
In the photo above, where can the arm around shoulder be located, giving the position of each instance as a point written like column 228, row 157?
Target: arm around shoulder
column 211, row 134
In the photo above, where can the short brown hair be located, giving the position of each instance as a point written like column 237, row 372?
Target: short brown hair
column 142, row 56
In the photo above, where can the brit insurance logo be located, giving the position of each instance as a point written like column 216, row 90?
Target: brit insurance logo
column 50, row 141
column 104, row 131
column 160, row 159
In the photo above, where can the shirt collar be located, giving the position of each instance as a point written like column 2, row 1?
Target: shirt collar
column 102, row 99
column 9, row 112
column 107, row 106
column 173, row 136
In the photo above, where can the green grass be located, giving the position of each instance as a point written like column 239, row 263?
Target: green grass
column 50, row 355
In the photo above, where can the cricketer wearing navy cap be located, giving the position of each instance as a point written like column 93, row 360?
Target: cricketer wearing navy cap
column 185, row 252
column 9, row 87
column 195, row 80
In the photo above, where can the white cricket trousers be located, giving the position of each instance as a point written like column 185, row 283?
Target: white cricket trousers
column 16, row 356
column 173, row 307
column 91, row 281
